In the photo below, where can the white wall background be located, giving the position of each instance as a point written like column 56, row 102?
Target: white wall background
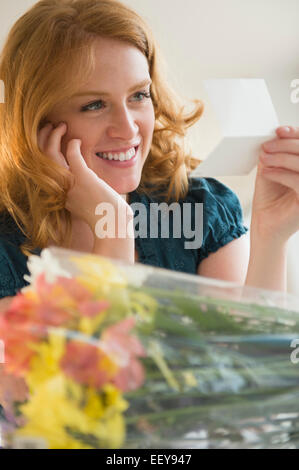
column 220, row 39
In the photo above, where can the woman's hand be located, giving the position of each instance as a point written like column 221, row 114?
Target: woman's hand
column 275, row 211
column 88, row 190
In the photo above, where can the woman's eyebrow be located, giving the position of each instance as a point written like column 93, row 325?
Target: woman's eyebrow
column 104, row 93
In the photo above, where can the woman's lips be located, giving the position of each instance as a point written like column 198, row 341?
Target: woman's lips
column 125, row 163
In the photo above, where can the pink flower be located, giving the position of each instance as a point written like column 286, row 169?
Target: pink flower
column 71, row 289
column 130, row 377
column 12, row 389
column 55, row 305
column 21, row 308
column 117, row 339
column 17, row 331
column 30, row 314
column 114, row 361
column 87, row 364
column 125, row 348
column 18, row 353
column 59, row 302
column 93, row 308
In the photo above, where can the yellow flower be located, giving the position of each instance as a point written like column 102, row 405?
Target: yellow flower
column 50, row 412
column 106, row 403
column 89, row 325
column 105, row 281
column 45, row 363
column 111, row 432
column 54, row 413
column 65, row 414
column 98, row 274
column 106, row 410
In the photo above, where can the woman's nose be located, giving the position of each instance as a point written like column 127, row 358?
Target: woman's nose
column 123, row 124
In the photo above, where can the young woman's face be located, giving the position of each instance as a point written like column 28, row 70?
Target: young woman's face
column 112, row 114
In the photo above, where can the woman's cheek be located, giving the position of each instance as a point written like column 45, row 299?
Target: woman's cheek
column 73, row 132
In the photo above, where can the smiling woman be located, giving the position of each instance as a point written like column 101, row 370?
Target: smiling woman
column 116, row 130
column 90, row 119
column 93, row 73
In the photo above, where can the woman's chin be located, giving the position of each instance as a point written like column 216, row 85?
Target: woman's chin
column 125, row 187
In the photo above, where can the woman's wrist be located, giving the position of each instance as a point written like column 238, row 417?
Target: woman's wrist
column 263, row 234
column 116, row 217
column 116, row 241
column 119, row 249
column 267, row 267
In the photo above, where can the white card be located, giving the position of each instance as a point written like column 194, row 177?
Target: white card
column 246, row 117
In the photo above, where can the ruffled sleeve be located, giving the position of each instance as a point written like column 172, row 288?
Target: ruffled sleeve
column 222, row 214
column 9, row 283
column 13, row 264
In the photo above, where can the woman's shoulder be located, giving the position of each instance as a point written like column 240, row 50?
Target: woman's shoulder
column 222, row 213
column 12, row 269
column 217, row 198
column 210, row 187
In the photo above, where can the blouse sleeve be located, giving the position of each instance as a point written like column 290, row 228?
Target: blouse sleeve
column 11, row 273
column 7, row 280
column 222, row 215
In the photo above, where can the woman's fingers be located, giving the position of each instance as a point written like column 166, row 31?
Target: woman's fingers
column 43, row 135
column 287, row 132
column 287, row 161
column 53, row 148
column 49, row 142
column 287, row 178
column 286, row 142
column 74, row 156
column 282, row 145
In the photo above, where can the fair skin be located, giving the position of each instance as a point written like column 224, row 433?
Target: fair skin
column 123, row 118
column 120, row 122
column 275, row 217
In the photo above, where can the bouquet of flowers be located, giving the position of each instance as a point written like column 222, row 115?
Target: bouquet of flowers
column 99, row 354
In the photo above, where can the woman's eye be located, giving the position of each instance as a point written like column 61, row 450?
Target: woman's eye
column 143, row 95
column 97, row 105
column 92, row 106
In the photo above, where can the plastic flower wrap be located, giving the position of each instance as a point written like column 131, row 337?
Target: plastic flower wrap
column 99, row 354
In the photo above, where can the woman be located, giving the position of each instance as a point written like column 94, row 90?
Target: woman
column 84, row 90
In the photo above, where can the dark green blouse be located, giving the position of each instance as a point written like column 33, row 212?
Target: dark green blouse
column 222, row 222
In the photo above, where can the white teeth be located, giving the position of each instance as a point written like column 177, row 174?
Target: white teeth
column 118, row 156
